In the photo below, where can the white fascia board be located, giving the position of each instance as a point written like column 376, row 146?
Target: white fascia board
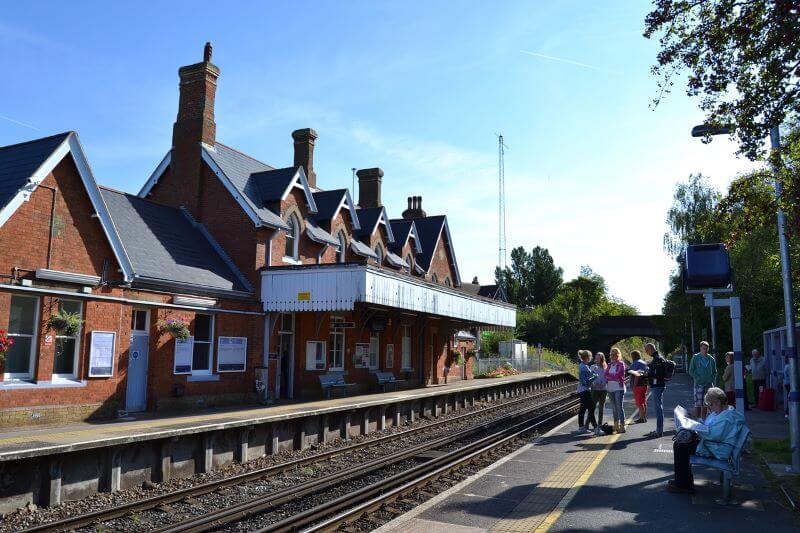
column 100, row 207
column 383, row 218
column 243, row 202
column 347, row 201
column 301, row 182
column 156, row 175
column 452, row 253
column 412, row 233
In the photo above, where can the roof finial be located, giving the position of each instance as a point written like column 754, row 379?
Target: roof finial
column 207, row 53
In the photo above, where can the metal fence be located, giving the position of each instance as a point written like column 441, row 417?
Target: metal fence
column 527, row 364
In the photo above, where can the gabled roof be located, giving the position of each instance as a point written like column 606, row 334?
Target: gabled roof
column 430, row 231
column 275, row 185
column 403, row 230
column 24, row 166
column 329, row 203
column 167, row 247
column 370, row 218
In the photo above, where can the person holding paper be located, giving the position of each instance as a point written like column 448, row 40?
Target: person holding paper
column 716, row 438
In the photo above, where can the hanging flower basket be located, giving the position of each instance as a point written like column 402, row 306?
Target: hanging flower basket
column 65, row 323
column 5, row 344
column 175, row 326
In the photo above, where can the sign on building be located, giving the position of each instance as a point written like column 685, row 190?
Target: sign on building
column 231, row 354
column 184, row 351
column 101, row 354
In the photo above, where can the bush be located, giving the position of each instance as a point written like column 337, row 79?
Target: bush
column 490, row 341
column 64, row 323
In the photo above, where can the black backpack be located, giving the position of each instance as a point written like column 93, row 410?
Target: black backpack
column 669, row 369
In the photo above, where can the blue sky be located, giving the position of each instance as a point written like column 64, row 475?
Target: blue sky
column 417, row 88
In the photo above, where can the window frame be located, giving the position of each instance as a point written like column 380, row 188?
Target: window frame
column 434, row 278
column 61, row 376
column 334, row 335
column 376, row 352
column 146, row 330
column 390, row 356
column 293, row 222
column 447, row 281
column 379, row 253
column 317, row 361
column 210, row 342
column 34, row 336
column 410, row 354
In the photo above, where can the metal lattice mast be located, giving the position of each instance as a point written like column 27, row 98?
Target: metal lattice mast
column 501, row 175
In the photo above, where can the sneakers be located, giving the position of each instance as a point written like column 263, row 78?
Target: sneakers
column 621, row 428
column 640, row 420
column 598, row 431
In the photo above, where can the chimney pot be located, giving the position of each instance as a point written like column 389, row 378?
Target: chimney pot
column 414, row 208
column 304, row 141
column 369, row 187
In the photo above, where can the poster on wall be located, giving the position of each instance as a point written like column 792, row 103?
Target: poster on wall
column 231, row 354
column 101, row 354
column 361, row 355
column 183, row 355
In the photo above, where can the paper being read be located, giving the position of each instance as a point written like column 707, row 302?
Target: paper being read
column 682, row 421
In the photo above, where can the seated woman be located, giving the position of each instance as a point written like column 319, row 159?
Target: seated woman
column 723, row 424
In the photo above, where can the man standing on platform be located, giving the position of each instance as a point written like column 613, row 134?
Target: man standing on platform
column 657, row 375
column 703, row 370
column 639, row 379
column 758, row 370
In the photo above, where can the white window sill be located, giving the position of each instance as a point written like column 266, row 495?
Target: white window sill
column 56, row 384
column 202, row 377
column 406, row 370
column 291, row 260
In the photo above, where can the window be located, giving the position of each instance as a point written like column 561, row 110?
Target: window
column 379, row 254
column 139, row 321
column 336, row 352
column 67, row 346
column 435, row 278
column 405, row 356
column 203, row 340
column 447, row 281
column 374, row 350
column 315, row 355
column 292, row 237
column 22, row 328
column 390, row 356
column 342, row 255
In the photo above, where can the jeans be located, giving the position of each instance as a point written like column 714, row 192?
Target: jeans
column 616, row 405
column 586, row 407
column 599, row 402
column 657, row 394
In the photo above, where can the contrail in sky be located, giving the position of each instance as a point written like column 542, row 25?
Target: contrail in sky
column 18, row 122
column 568, row 61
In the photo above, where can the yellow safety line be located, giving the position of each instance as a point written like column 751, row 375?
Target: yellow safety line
column 556, row 513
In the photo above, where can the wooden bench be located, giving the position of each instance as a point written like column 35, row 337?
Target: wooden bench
column 387, row 378
column 727, row 469
column 333, row 380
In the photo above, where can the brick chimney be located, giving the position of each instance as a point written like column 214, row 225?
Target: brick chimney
column 414, row 208
column 194, row 124
column 304, row 141
column 369, row 187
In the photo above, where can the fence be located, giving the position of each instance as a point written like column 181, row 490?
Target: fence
column 527, row 364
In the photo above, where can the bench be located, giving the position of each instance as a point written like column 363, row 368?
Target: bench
column 727, row 469
column 386, row 378
column 333, row 380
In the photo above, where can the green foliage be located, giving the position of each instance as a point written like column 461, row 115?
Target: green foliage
column 691, row 216
column 64, row 323
column 532, row 279
column 490, row 341
column 742, row 57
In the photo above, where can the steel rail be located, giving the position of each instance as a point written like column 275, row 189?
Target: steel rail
column 103, row 515
column 352, row 505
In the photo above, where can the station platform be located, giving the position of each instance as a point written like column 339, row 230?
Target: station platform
column 46, row 440
column 570, row 481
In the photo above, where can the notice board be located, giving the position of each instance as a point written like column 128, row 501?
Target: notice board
column 101, row 354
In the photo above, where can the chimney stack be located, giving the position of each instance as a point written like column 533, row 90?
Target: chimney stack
column 369, row 187
column 414, row 208
column 304, row 140
column 194, row 125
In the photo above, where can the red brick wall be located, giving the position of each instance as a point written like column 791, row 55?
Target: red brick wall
column 307, row 250
column 79, row 243
column 440, row 263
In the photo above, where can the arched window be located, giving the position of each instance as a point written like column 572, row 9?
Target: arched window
column 410, row 261
column 292, row 237
column 435, row 278
column 379, row 253
column 342, row 256
column 447, row 281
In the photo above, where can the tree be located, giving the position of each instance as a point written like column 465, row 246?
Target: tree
column 546, row 277
column 691, row 216
column 743, row 58
column 532, row 279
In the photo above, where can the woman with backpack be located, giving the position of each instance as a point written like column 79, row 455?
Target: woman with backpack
column 615, row 385
column 599, row 389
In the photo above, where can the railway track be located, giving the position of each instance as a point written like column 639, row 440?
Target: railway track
column 97, row 519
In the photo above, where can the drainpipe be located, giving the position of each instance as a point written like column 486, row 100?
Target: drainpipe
column 321, row 252
column 52, row 224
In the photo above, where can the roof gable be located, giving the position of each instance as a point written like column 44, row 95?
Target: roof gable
column 430, row 231
column 275, row 185
column 403, row 231
column 370, row 219
column 330, row 203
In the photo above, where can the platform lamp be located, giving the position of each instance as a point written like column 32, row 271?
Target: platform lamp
column 788, row 304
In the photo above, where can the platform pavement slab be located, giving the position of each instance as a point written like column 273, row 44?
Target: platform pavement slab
column 570, row 482
column 43, row 440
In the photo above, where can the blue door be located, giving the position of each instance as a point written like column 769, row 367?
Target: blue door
column 136, row 395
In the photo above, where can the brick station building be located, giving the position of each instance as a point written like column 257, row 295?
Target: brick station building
column 276, row 278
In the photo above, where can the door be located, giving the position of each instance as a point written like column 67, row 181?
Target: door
column 136, row 394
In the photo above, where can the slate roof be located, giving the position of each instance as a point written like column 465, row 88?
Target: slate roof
column 319, row 235
column 368, row 218
column 238, row 168
column 328, row 202
column 401, row 229
column 166, row 246
column 18, row 162
column 269, row 185
column 428, row 231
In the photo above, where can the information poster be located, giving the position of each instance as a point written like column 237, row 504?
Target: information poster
column 361, row 355
column 184, row 352
column 101, row 354
column 231, row 354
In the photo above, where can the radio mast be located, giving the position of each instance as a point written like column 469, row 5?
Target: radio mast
column 501, row 204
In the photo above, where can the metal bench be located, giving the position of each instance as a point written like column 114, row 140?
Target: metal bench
column 727, row 469
column 333, row 380
column 386, row 378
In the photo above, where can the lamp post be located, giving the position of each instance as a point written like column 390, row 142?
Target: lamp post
column 788, row 303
